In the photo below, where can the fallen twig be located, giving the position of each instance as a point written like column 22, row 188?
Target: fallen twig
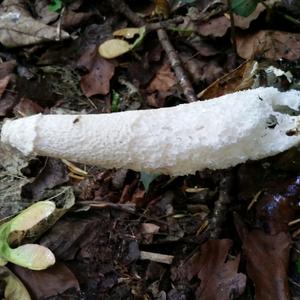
column 220, row 209
column 175, row 62
column 157, row 257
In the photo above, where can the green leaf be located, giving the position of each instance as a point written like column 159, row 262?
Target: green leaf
column 115, row 102
column 147, row 179
column 298, row 266
column 243, row 8
column 187, row 1
column 55, row 5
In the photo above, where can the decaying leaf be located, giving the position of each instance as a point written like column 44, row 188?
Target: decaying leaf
column 269, row 44
column 216, row 27
column 3, row 84
column 217, row 271
column 19, row 28
column 11, row 181
column 101, row 70
column 14, row 288
column 239, row 79
column 53, row 173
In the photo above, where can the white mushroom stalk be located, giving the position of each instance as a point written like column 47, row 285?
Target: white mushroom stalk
column 214, row 134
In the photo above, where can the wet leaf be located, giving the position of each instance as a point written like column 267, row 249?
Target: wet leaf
column 243, row 7
column 48, row 283
column 267, row 263
column 14, row 288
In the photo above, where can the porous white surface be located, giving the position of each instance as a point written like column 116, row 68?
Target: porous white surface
column 214, row 134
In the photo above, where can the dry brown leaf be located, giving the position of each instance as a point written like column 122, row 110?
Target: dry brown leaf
column 97, row 81
column 7, row 67
column 216, row 27
column 53, row 173
column 18, row 28
column 163, row 81
column 269, row 44
column 218, row 273
column 73, row 19
column 236, row 80
column 3, row 84
column 27, row 107
column 45, row 14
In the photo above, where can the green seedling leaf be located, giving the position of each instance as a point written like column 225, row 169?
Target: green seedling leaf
column 14, row 288
column 115, row 102
column 298, row 266
column 147, row 179
column 32, row 215
column 244, row 8
column 139, row 40
column 31, row 256
column 55, row 5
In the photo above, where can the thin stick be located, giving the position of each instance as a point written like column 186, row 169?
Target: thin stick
column 232, row 26
column 157, row 257
column 221, row 206
column 175, row 62
column 121, row 7
column 128, row 207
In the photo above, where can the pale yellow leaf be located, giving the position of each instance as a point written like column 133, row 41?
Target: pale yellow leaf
column 127, row 33
column 114, row 48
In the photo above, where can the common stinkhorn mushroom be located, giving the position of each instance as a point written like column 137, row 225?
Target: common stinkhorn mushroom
column 214, row 134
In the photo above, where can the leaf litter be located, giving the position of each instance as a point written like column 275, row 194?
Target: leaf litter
column 119, row 234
